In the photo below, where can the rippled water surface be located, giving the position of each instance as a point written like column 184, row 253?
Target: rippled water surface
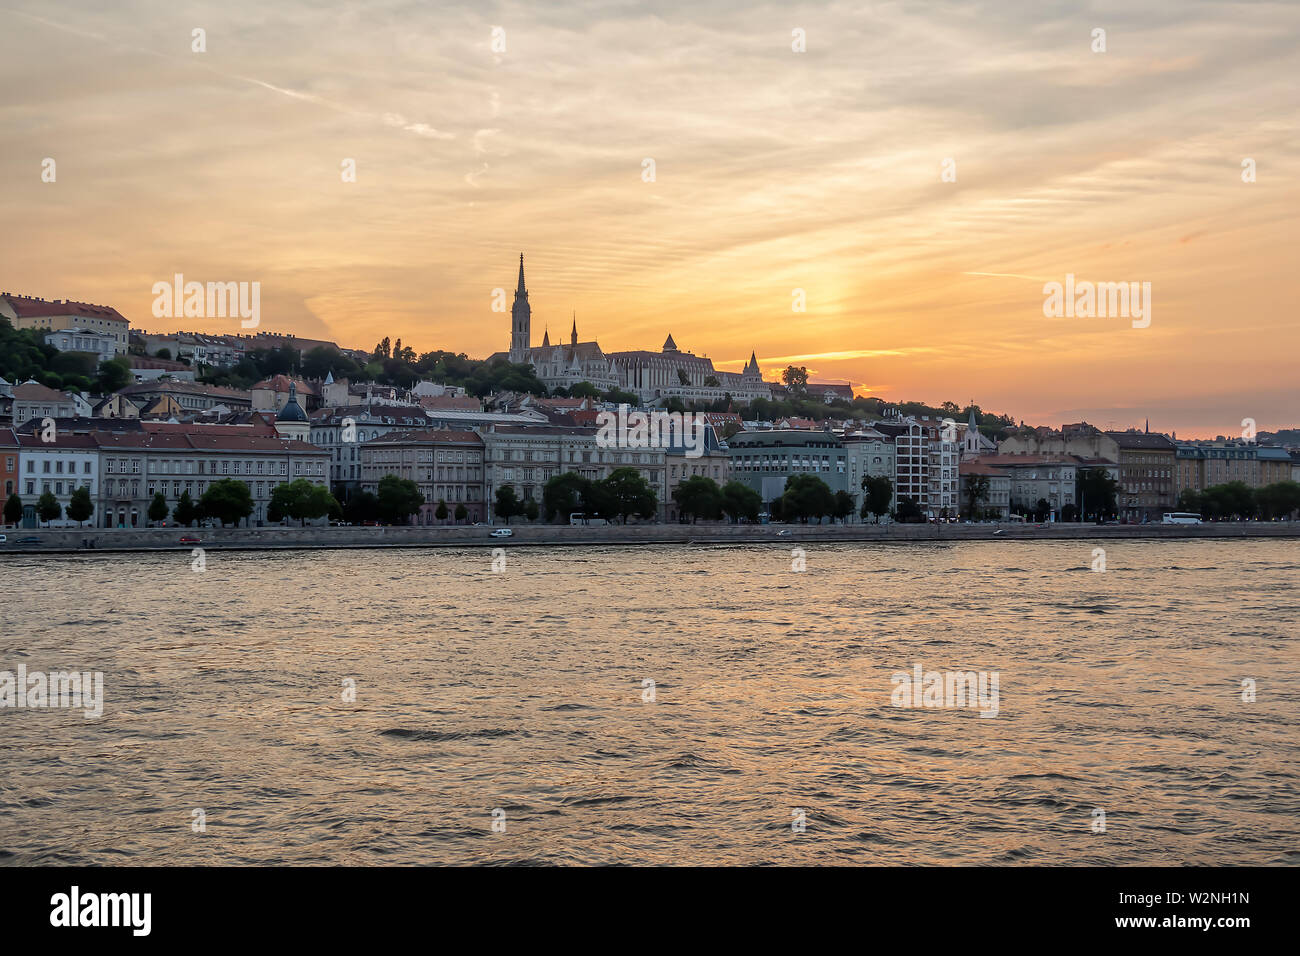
column 522, row 691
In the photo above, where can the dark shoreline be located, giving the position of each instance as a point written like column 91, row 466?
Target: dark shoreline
column 70, row 541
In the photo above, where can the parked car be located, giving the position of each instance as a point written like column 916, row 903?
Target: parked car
column 190, row 539
column 782, row 532
column 3, row 538
column 502, row 533
column 30, row 539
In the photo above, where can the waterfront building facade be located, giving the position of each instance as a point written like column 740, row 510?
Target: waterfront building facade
column 765, row 460
column 714, row 462
column 526, row 457
column 189, row 458
column 868, row 452
column 926, row 460
column 60, row 467
column 997, row 503
column 1147, row 474
column 445, row 466
column 1202, row 464
column 341, row 430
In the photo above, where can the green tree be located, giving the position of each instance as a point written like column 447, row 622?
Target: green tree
column 13, row 509
column 584, row 390
column 1189, row 500
column 977, row 490
column 806, row 496
column 698, row 497
column 399, row 498
column 1096, row 492
column 530, row 510
column 796, row 380
column 186, row 512
column 843, row 505
column 741, row 501
column 362, row 506
column 507, row 503
column 1232, row 500
column 682, row 377
column 563, row 495
column 461, row 513
column 228, row 500
column 711, row 381
column 325, row 360
column 114, row 374
column 80, row 507
column 629, row 494
column 617, row 396
column 600, row 501
column 909, row 510
column 300, row 499
column 878, row 494
column 48, row 508
column 158, row 509
column 440, row 512
column 1278, row 500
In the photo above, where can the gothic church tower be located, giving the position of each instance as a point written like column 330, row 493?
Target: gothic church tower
column 520, row 320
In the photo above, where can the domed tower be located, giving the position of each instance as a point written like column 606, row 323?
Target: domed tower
column 521, row 316
column 292, row 421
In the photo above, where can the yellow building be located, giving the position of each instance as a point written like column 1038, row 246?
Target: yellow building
column 26, row 312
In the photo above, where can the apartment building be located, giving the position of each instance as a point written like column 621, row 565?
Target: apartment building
column 134, row 466
column 527, row 456
column 60, row 466
column 445, row 465
column 764, row 460
column 1202, row 464
column 1147, row 474
column 868, row 452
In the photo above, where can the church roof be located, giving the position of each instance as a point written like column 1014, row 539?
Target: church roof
column 292, row 411
column 669, row 344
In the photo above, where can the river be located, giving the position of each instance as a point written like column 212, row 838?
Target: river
column 508, row 715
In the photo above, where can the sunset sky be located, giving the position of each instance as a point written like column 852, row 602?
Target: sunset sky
column 774, row 170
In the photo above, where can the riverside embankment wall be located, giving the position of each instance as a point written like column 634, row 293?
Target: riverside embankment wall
column 153, row 539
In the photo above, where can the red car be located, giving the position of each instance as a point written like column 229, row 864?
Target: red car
column 190, row 539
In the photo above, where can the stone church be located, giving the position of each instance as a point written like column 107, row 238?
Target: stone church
column 650, row 375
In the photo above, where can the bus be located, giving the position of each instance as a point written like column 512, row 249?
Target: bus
column 1180, row 517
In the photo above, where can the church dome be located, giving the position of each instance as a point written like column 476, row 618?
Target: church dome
column 292, row 411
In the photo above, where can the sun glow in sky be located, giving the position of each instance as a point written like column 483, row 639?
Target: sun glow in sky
column 774, row 171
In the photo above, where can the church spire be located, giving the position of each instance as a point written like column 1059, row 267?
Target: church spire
column 520, row 320
column 573, row 336
column 546, row 339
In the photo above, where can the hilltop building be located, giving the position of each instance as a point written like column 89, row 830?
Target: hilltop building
column 651, row 376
